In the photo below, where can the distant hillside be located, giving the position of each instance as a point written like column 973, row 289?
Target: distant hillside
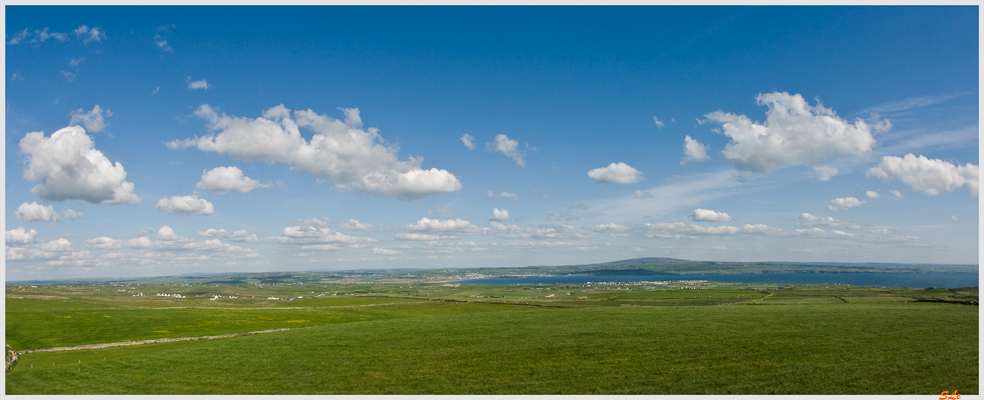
column 658, row 266
column 636, row 266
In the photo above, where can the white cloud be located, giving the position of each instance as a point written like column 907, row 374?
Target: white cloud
column 60, row 244
column 640, row 194
column 825, row 172
column 468, row 141
column 811, row 232
column 499, row 215
column 228, row 179
column 185, row 205
column 72, row 214
column 358, row 226
column 437, row 225
column 896, row 193
column 616, row 173
column 558, row 232
column 807, row 219
column 510, row 231
column 196, row 85
column 44, row 35
column 930, row 176
column 36, row 36
column 69, row 167
column 160, row 42
column 69, row 76
column 76, row 61
column 36, row 212
column 18, row 37
column 355, row 158
column 104, row 243
column 159, row 39
column 501, row 195
column 872, row 194
column 680, row 229
column 612, row 227
column 844, row 203
column 95, row 34
column 93, row 121
column 701, row 214
column 20, row 236
column 312, row 232
column 693, row 151
column 236, row 236
column 385, row 252
column 423, row 236
column 508, row 147
column 795, row 133
column 659, row 124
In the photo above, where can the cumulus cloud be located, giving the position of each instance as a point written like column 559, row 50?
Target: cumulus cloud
column 844, row 203
column 103, row 243
column 640, row 194
column 36, row 212
column 354, row 157
column 807, row 219
column 616, row 173
column 314, row 232
column 499, row 215
column 508, row 147
column 701, row 214
column 20, row 236
column 185, row 205
column 930, row 176
column 825, row 172
column 196, row 85
column 693, row 151
column 896, row 193
column 69, row 167
column 794, row 133
column 93, row 121
column 468, row 141
column 659, row 124
column 235, row 236
column 228, row 179
column 872, row 194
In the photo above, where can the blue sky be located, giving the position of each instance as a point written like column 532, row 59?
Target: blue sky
column 148, row 141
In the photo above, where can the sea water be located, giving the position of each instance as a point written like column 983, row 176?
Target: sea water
column 876, row 279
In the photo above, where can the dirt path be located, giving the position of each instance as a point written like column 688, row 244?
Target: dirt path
column 164, row 340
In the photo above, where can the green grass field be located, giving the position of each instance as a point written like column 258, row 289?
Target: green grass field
column 717, row 340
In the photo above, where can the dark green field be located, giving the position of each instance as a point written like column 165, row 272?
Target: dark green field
column 481, row 339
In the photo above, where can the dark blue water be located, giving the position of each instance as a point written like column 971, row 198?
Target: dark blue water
column 878, row 279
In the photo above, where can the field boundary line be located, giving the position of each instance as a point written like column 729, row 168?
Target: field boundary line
column 149, row 341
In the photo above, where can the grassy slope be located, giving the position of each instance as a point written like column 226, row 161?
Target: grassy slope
column 887, row 348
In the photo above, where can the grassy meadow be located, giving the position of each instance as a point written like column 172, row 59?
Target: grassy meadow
column 425, row 338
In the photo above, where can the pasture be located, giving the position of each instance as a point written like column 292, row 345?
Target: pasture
column 482, row 339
